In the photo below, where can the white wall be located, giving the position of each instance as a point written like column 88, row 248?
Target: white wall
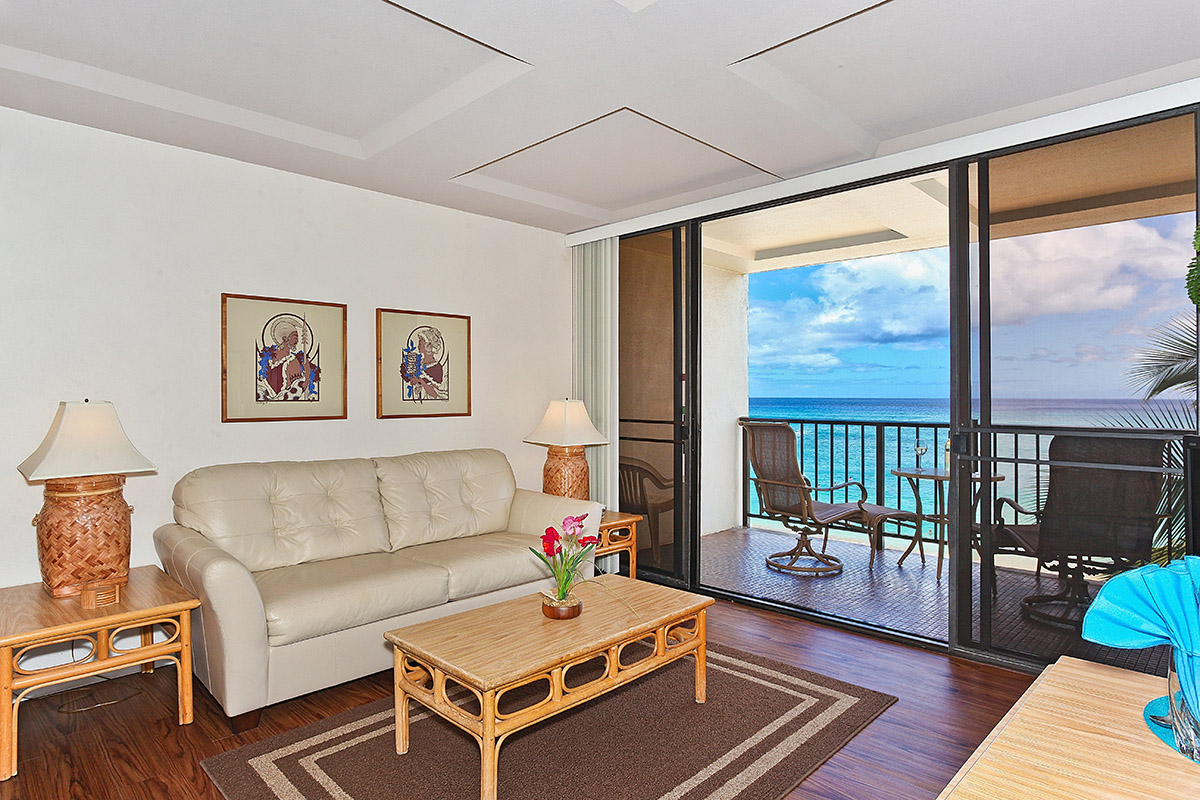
column 114, row 253
column 725, row 389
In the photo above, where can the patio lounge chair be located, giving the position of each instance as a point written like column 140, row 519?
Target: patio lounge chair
column 786, row 496
column 1093, row 521
column 645, row 491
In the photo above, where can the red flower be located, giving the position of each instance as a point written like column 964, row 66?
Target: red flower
column 587, row 541
column 550, row 542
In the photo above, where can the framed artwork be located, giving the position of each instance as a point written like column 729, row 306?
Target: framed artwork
column 423, row 364
column 282, row 359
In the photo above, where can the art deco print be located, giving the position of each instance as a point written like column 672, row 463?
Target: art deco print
column 289, row 361
column 424, row 366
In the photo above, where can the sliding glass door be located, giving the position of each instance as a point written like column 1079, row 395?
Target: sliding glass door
column 1011, row 331
column 656, row 431
column 1076, row 344
column 829, row 317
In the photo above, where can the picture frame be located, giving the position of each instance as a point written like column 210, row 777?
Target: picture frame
column 422, row 364
column 282, row 359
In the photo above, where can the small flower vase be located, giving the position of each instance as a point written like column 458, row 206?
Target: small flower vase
column 562, row 609
column 1185, row 723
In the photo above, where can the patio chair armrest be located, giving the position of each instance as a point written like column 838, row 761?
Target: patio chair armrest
column 661, row 484
column 758, row 480
column 862, row 489
column 998, row 511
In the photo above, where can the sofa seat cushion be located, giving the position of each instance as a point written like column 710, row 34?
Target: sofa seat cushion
column 431, row 497
column 313, row 599
column 281, row 513
column 484, row 563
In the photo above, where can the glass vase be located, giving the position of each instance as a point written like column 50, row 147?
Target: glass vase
column 1184, row 722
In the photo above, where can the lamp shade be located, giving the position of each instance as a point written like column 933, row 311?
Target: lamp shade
column 85, row 438
column 566, row 424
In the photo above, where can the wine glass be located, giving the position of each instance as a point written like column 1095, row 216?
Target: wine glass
column 920, row 449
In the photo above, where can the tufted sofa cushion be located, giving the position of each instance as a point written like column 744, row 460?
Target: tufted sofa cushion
column 285, row 512
column 432, row 497
column 307, row 600
column 484, row 563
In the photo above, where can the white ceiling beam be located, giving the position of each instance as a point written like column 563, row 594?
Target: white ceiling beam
column 478, row 83
column 525, row 194
column 807, row 103
column 152, row 95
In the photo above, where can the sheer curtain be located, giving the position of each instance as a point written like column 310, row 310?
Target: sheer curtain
column 594, row 338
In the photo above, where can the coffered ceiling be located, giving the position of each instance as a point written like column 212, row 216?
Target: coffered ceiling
column 568, row 114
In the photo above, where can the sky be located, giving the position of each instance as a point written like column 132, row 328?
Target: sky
column 1070, row 309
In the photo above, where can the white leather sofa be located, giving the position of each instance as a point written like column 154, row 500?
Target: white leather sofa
column 300, row 567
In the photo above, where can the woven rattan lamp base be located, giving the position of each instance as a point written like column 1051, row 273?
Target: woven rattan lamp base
column 566, row 472
column 83, row 539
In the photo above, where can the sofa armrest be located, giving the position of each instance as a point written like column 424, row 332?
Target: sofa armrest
column 231, row 639
column 533, row 512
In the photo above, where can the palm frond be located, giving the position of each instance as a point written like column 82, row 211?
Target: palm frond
column 1168, row 361
column 1161, row 415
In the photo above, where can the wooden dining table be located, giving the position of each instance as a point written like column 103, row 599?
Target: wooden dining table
column 939, row 517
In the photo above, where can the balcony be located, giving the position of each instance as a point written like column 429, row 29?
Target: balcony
column 910, row 597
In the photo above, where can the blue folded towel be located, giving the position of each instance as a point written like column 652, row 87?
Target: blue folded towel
column 1153, row 605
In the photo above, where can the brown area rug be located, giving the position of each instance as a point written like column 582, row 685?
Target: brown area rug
column 765, row 727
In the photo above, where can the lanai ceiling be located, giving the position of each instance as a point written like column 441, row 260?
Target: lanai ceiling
column 567, row 114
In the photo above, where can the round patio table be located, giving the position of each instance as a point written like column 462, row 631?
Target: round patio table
column 939, row 518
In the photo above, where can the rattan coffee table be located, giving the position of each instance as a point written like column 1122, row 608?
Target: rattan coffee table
column 493, row 650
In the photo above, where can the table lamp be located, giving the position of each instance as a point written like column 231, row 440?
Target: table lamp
column 566, row 430
column 83, row 527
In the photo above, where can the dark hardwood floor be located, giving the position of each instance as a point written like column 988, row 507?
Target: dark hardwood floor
column 133, row 748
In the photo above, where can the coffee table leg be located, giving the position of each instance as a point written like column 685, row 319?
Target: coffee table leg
column 489, row 748
column 401, row 722
column 489, row 756
column 401, row 704
column 702, row 658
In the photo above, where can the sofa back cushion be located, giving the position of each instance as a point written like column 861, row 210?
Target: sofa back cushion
column 432, row 497
column 285, row 512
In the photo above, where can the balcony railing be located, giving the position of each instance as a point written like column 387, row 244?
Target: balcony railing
column 831, row 452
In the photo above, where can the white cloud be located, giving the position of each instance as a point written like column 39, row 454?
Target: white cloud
column 901, row 303
column 1102, row 267
column 1072, row 356
column 900, row 300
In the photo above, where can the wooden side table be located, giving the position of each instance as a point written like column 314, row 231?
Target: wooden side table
column 31, row 619
column 618, row 531
column 1078, row 732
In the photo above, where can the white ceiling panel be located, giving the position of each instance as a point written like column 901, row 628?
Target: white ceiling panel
column 480, row 106
column 341, row 66
column 910, row 65
column 621, row 160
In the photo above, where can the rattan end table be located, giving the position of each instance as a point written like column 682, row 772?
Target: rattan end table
column 31, row 619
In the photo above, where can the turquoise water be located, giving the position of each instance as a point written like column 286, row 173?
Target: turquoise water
column 831, row 452
column 1069, row 412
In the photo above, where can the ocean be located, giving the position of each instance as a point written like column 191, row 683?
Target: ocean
column 1056, row 412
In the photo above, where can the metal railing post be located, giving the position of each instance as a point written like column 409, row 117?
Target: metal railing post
column 745, row 478
column 880, row 466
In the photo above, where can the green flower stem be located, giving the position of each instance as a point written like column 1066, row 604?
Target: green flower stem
column 565, row 568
